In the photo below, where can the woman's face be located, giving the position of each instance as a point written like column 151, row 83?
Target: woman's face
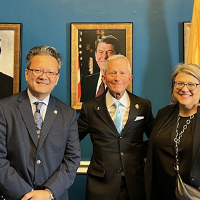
column 186, row 98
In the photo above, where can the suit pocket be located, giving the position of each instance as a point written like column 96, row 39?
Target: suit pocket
column 95, row 171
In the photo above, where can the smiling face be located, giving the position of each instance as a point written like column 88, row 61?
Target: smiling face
column 41, row 86
column 117, row 77
column 186, row 99
column 103, row 52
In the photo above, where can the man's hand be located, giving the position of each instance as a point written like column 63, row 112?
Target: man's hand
column 37, row 195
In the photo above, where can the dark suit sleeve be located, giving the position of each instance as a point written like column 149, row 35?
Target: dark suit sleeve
column 9, row 179
column 83, row 129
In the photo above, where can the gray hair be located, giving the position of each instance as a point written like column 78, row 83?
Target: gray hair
column 115, row 57
column 43, row 50
column 190, row 69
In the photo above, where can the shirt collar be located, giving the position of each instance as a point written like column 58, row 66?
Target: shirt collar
column 33, row 99
column 110, row 100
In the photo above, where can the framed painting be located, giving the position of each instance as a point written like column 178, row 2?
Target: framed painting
column 84, row 39
column 10, row 46
column 186, row 30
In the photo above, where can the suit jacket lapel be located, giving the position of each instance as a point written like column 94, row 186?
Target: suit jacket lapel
column 51, row 114
column 27, row 115
column 135, row 107
column 161, row 120
column 103, row 113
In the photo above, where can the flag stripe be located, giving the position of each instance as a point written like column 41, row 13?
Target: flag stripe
column 194, row 42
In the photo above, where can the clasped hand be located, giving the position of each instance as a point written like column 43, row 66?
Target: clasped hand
column 37, row 195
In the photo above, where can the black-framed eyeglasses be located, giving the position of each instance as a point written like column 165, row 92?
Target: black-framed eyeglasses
column 39, row 72
column 190, row 86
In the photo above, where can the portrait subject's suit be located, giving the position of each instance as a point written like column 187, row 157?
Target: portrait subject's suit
column 27, row 163
column 163, row 115
column 89, row 86
column 112, row 152
column 6, row 85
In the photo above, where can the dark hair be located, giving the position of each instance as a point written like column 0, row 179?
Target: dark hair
column 110, row 39
column 43, row 50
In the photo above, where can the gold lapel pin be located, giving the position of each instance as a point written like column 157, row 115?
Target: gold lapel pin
column 136, row 106
column 55, row 111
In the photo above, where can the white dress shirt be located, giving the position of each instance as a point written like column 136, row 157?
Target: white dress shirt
column 124, row 106
column 44, row 106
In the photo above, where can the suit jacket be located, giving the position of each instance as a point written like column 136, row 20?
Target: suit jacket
column 27, row 163
column 6, row 85
column 114, row 153
column 88, row 87
column 161, row 118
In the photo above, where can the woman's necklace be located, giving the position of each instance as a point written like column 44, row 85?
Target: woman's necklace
column 177, row 139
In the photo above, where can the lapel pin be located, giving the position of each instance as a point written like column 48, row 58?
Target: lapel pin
column 137, row 106
column 55, row 111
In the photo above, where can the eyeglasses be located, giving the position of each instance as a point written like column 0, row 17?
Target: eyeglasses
column 190, row 86
column 38, row 72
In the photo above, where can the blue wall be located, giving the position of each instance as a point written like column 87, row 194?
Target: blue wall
column 157, row 41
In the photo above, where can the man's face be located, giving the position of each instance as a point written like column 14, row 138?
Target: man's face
column 117, row 77
column 103, row 52
column 41, row 86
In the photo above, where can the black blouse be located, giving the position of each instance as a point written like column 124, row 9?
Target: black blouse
column 164, row 156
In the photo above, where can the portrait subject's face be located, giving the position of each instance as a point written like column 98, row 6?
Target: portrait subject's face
column 117, row 77
column 103, row 52
column 41, row 86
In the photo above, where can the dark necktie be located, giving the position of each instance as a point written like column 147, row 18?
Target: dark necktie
column 38, row 118
column 117, row 117
column 101, row 89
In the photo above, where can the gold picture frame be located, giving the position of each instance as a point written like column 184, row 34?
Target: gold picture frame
column 10, row 44
column 125, row 29
column 186, row 30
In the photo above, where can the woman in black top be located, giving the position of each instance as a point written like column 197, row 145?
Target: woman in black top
column 181, row 117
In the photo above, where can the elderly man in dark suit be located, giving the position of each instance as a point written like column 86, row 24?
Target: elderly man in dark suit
column 116, row 122
column 39, row 145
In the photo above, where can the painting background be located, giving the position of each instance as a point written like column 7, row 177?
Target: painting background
column 7, row 52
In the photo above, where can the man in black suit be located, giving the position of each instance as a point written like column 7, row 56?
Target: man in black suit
column 106, row 47
column 116, row 170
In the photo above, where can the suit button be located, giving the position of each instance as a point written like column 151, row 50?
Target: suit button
column 120, row 137
column 122, row 153
column 119, row 170
column 193, row 178
column 38, row 162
